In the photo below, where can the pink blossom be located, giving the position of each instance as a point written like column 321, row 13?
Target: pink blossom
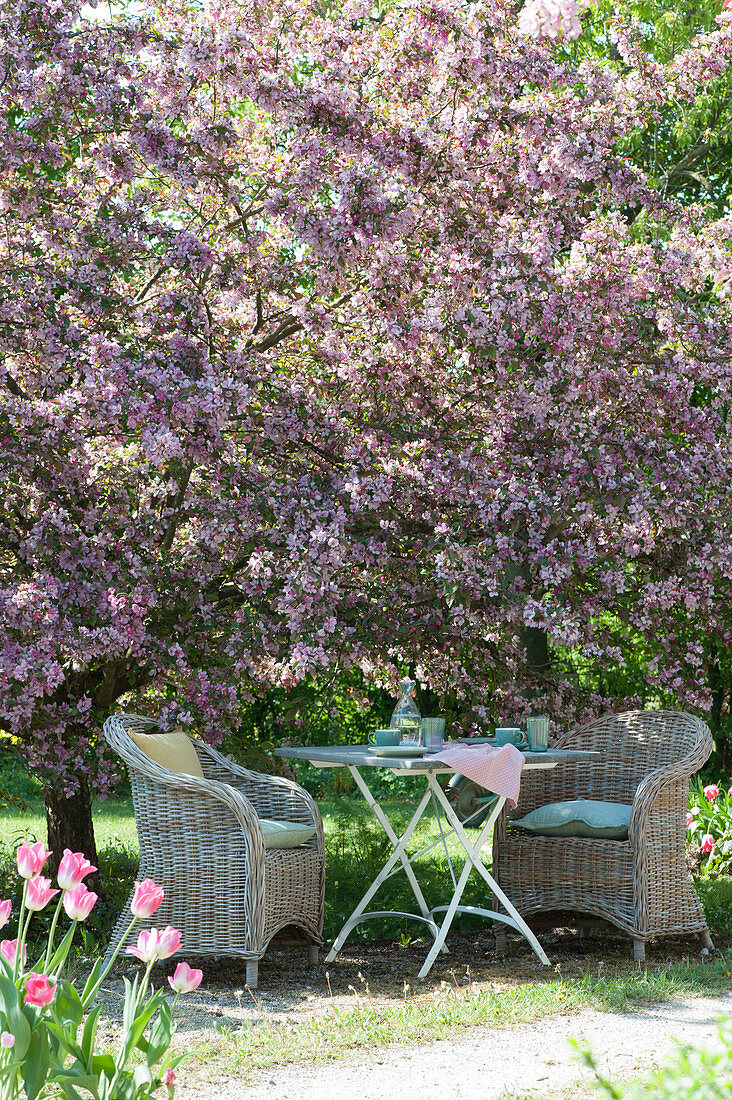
column 9, row 950
column 711, row 791
column 39, row 990
column 707, row 842
column 79, row 902
column 5, row 908
column 689, row 820
column 185, row 979
column 146, row 898
column 154, row 944
column 552, row 18
column 73, row 867
column 30, row 859
column 7, row 1039
column 168, row 1078
column 39, row 892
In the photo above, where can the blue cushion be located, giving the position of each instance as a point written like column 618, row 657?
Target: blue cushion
column 582, row 817
column 285, row 834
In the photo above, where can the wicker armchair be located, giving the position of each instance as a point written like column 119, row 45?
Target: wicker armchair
column 640, row 884
column 200, row 839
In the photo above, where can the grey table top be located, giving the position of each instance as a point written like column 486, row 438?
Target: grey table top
column 361, row 755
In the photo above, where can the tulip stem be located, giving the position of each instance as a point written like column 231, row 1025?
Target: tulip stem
column 21, row 931
column 91, row 993
column 52, row 933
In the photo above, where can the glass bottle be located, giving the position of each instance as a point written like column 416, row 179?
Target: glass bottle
column 406, row 717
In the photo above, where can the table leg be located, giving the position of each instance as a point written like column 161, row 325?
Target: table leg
column 473, row 860
column 398, row 856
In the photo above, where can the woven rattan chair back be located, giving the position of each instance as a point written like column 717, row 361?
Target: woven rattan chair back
column 201, row 840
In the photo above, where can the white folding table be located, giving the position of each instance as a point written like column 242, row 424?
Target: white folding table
column 358, row 757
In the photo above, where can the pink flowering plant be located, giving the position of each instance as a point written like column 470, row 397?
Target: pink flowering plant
column 709, row 824
column 48, row 1026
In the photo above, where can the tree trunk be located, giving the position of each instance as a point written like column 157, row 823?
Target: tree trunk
column 536, row 643
column 70, row 825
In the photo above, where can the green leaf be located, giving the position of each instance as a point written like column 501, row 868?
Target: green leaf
column 161, row 1033
column 67, row 1006
column 125, row 1088
column 90, row 988
column 64, row 1042
column 75, row 1077
column 15, row 1019
column 128, row 1014
column 143, row 1018
column 89, row 1033
column 103, row 1064
column 11, row 1068
column 35, row 1067
column 142, row 1076
column 59, row 955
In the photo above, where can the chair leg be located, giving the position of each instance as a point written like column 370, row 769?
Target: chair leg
column 313, row 954
column 501, row 942
column 252, row 973
column 639, row 950
column 706, row 940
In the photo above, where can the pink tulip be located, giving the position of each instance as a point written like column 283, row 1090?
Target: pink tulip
column 168, row 1078
column 707, row 842
column 146, row 898
column 9, row 949
column 689, row 820
column 72, row 869
column 38, row 990
column 729, row 792
column 79, row 902
column 5, row 907
column 711, row 791
column 155, row 944
column 185, row 979
column 30, row 859
column 7, row 1039
column 39, row 893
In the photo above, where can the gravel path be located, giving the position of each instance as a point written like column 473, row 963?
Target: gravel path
column 527, row 1060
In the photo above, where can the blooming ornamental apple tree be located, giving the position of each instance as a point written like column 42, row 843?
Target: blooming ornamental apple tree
column 331, row 337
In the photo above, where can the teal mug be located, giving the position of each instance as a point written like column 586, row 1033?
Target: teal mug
column 510, row 735
column 385, row 737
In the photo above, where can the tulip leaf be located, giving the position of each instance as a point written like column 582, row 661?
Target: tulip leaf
column 130, row 1002
column 89, row 1033
column 15, row 1018
column 92, row 981
column 67, row 1006
column 103, row 1064
column 161, row 1033
column 142, row 1076
column 75, row 1077
column 59, row 955
column 65, row 1040
column 140, row 1022
column 35, row 1067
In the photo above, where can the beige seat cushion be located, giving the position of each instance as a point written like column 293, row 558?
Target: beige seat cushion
column 172, row 750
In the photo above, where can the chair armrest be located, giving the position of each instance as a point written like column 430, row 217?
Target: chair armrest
column 190, row 825
column 668, row 785
column 272, row 796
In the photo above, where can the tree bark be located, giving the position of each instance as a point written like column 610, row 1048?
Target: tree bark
column 70, row 825
column 536, row 643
